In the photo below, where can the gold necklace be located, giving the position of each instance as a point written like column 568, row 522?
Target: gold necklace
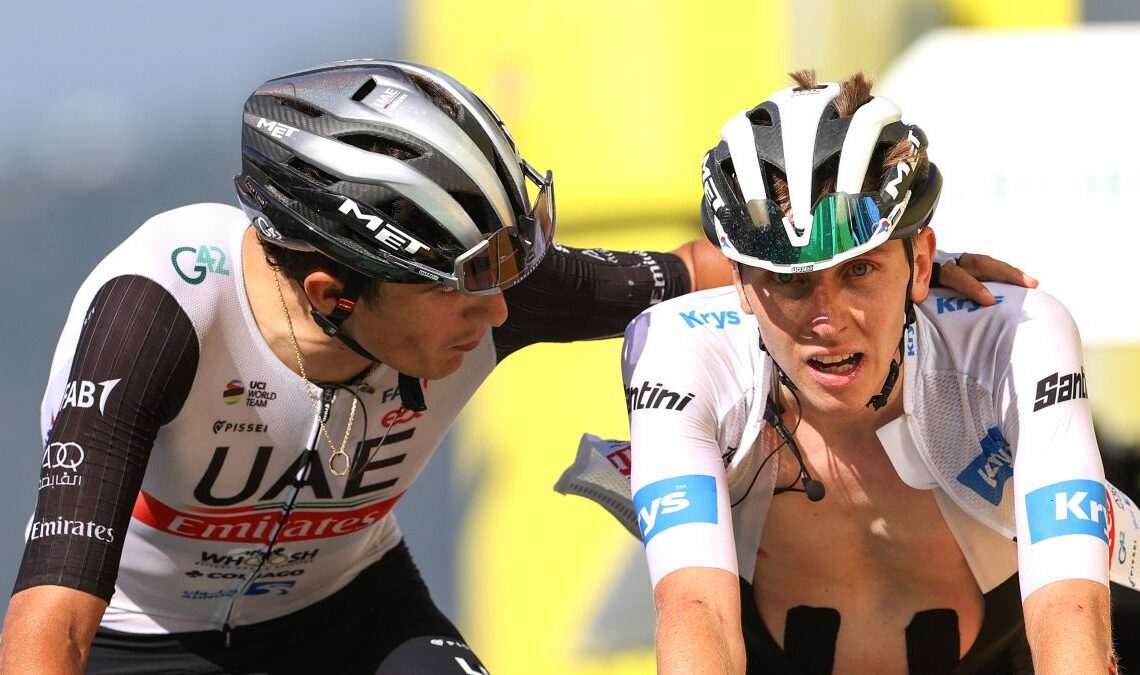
column 336, row 452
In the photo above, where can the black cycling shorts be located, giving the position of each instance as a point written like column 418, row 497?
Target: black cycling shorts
column 383, row 622
column 1001, row 646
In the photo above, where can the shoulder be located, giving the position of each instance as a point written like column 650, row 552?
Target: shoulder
column 703, row 320
column 1018, row 314
column 700, row 346
column 1014, row 304
column 1000, row 349
column 193, row 252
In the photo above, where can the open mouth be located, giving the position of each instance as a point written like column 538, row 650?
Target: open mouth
column 835, row 364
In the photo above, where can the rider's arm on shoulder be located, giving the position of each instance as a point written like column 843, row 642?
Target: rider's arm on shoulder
column 708, row 268
column 49, row 629
column 1069, row 628
column 698, row 628
column 586, row 294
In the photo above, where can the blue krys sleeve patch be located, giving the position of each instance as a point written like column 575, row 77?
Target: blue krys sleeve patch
column 1069, row 507
column 675, row 501
column 990, row 470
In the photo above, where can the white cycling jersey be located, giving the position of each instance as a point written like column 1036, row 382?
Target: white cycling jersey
column 996, row 422
column 175, row 437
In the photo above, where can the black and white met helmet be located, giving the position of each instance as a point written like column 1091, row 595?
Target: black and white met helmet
column 798, row 134
column 396, row 171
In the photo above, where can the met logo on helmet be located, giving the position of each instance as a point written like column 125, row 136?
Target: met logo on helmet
column 383, row 231
column 675, row 501
column 275, row 129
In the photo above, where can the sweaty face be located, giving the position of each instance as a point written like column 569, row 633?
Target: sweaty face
column 835, row 332
column 424, row 330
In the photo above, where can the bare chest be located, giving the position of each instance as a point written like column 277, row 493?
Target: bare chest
column 875, row 550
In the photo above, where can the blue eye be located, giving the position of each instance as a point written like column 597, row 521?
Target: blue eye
column 860, row 269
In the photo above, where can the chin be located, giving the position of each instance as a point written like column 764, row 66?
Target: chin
column 845, row 401
column 443, row 367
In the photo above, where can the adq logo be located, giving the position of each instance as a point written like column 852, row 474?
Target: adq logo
column 68, row 456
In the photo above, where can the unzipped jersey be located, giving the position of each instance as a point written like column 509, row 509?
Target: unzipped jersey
column 996, row 423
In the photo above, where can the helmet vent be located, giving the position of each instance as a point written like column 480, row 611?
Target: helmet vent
column 381, row 146
column 760, row 117
column 311, row 172
column 300, row 106
column 729, row 171
column 278, row 194
column 438, row 96
column 365, row 89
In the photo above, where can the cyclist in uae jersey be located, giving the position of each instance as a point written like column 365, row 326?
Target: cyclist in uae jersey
column 945, row 480
column 233, row 410
column 218, row 466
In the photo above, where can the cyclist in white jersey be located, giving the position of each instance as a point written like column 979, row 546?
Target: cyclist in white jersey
column 834, row 470
column 233, row 411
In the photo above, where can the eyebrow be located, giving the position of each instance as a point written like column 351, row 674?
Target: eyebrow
column 877, row 252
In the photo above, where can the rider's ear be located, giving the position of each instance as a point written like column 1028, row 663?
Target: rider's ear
column 323, row 290
column 923, row 244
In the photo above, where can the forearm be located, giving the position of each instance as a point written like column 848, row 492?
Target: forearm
column 1069, row 628
column 692, row 639
column 49, row 629
column 707, row 267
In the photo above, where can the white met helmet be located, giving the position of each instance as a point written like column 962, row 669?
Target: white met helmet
column 796, row 133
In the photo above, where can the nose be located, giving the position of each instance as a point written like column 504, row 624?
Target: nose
column 823, row 310
column 492, row 308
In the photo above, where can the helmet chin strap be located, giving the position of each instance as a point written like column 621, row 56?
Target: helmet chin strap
column 411, row 394
column 880, row 399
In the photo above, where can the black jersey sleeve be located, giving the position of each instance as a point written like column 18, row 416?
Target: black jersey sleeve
column 131, row 373
column 586, row 294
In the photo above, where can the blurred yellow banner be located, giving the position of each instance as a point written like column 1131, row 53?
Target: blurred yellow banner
column 621, row 100
column 1014, row 13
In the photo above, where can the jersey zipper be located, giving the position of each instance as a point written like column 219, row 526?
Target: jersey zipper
column 328, row 396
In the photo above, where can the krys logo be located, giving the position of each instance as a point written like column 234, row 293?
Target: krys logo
column 193, row 264
column 987, row 474
column 713, row 319
column 675, row 501
column 1069, row 507
column 955, row 304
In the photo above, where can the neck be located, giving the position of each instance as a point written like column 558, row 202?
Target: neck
column 326, row 358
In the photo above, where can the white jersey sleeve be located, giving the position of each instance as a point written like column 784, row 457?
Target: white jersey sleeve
column 1063, row 515
column 673, row 394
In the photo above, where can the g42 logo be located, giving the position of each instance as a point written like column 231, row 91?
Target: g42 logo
column 206, row 259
